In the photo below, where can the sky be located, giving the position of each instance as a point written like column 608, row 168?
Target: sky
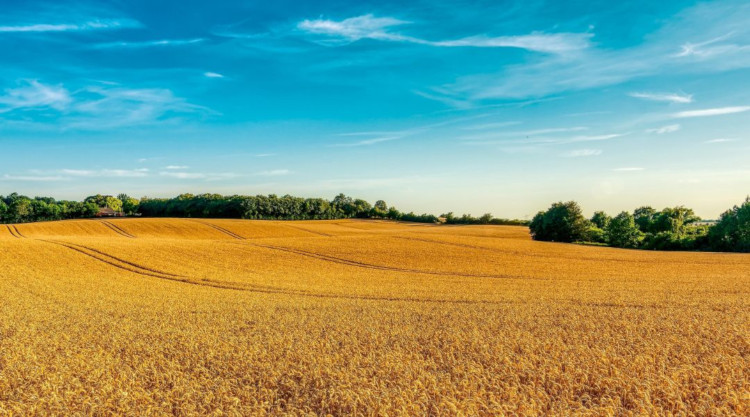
column 434, row 106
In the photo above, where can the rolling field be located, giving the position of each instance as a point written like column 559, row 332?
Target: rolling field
column 236, row 317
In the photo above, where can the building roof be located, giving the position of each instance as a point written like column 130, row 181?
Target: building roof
column 106, row 210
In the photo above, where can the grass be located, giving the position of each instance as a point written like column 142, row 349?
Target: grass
column 202, row 317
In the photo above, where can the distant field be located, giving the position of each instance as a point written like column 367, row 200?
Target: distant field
column 163, row 316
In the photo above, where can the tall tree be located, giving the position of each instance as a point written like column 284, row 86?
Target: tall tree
column 622, row 231
column 562, row 222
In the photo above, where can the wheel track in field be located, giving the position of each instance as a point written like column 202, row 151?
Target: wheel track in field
column 115, row 261
column 349, row 262
column 149, row 272
column 308, row 231
column 536, row 255
column 14, row 231
column 222, row 230
column 116, row 229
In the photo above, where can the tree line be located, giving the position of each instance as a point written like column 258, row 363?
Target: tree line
column 16, row 208
column 673, row 228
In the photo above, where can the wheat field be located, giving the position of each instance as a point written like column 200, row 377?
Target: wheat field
column 350, row 317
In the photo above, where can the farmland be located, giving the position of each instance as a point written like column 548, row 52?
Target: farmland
column 196, row 316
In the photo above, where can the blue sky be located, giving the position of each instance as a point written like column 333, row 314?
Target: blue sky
column 461, row 106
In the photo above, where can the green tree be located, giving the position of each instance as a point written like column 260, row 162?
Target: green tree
column 622, row 231
column 644, row 218
column 601, row 219
column 674, row 220
column 732, row 232
column 3, row 211
column 562, row 222
column 129, row 204
column 105, row 201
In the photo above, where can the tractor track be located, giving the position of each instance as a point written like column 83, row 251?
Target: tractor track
column 144, row 271
column 14, row 231
column 358, row 264
column 308, row 231
column 536, row 255
column 222, row 230
column 116, row 229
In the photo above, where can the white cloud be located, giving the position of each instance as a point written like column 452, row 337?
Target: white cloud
column 183, row 175
column 487, row 126
column 596, row 137
column 198, row 175
column 354, row 28
column 33, row 178
column 367, row 142
column 210, row 74
column 710, row 48
column 371, row 27
column 176, row 167
column 147, row 44
column 720, row 140
column 598, row 66
column 710, row 112
column 554, row 43
column 104, row 108
column 628, row 169
column 664, row 129
column 97, row 106
column 670, row 97
column 101, row 24
column 35, row 95
column 274, row 173
column 582, row 153
column 126, row 173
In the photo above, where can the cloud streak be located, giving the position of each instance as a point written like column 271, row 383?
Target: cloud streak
column 582, row 153
column 368, row 26
column 664, row 129
column 91, row 25
column 720, row 111
column 669, row 97
column 148, row 44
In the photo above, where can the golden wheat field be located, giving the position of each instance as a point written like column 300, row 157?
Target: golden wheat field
column 348, row 317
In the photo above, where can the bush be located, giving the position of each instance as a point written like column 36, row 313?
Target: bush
column 562, row 222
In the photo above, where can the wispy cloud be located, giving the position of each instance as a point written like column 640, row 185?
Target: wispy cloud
column 380, row 28
column 710, row 112
column 595, row 67
column 123, row 173
column 210, row 74
column 40, row 178
column 97, row 106
column 198, row 175
column 33, row 94
column 629, row 169
column 488, row 126
column 183, row 175
column 669, row 97
column 664, row 129
column 720, row 140
column 595, row 137
column 176, row 167
column 147, row 44
column 581, row 153
column 274, row 173
column 711, row 47
column 97, row 24
column 367, row 142
column 354, row 28
column 554, row 43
